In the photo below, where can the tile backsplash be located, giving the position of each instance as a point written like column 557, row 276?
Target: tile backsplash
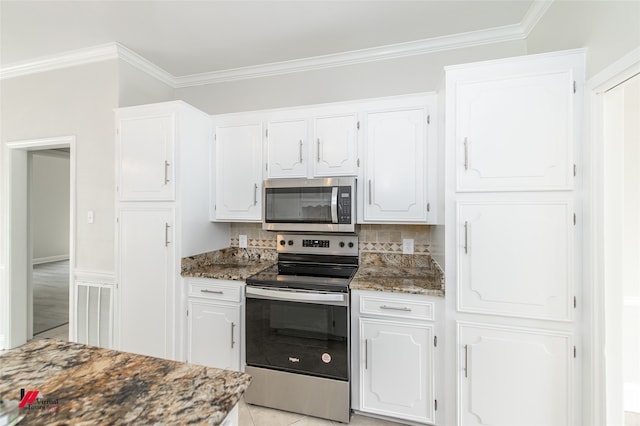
column 373, row 238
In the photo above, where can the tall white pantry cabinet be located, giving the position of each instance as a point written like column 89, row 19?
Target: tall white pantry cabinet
column 162, row 213
column 512, row 231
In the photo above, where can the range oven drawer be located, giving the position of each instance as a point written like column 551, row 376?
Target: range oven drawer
column 298, row 337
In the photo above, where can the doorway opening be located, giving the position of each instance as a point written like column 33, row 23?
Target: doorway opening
column 49, row 212
column 17, row 323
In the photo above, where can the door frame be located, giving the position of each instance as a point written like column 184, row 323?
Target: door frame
column 14, row 303
column 597, row 402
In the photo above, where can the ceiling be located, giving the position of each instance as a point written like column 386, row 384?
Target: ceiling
column 194, row 37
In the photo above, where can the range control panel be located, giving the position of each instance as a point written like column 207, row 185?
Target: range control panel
column 342, row 245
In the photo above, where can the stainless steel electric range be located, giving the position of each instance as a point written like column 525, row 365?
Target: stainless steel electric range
column 297, row 326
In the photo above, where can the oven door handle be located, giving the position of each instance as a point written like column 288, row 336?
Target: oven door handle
column 334, row 204
column 299, row 296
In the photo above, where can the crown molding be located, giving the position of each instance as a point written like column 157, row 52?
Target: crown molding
column 116, row 50
column 392, row 51
column 536, row 11
column 87, row 55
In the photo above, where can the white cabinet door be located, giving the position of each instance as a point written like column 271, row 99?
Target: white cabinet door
column 146, row 158
column 214, row 334
column 516, row 258
column 396, row 369
column 514, row 376
column 395, row 177
column 336, row 142
column 287, row 149
column 238, row 160
column 515, row 132
column 146, row 278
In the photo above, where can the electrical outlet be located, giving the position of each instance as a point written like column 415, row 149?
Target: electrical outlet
column 407, row 246
column 242, row 241
column 90, row 216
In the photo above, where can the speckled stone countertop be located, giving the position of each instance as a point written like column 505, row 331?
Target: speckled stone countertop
column 82, row 384
column 232, row 263
column 398, row 273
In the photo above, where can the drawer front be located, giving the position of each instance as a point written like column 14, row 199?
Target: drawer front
column 230, row 291
column 398, row 307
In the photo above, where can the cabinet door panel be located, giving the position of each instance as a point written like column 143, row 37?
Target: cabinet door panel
column 514, row 376
column 239, row 172
column 516, row 259
column 335, row 146
column 214, row 335
column 397, row 369
column 395, row 173
column 515, row 133
column 146, row 158
column 146, row 281
column 287, row 149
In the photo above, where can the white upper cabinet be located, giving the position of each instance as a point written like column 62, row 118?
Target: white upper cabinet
column 516, row 258
column 515, row 125
column 238, row 172
column 336, row 143
column 287, row 148
column 395, row 176
column 146, row 157
column 322, row 146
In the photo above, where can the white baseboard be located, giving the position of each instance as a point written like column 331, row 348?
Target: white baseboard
column 3, row 341
column 632, row 397
column 49, row 259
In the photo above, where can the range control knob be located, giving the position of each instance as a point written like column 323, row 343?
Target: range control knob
column 350, row 245
column 341, row 243
column 283, row 242
column 290, row 242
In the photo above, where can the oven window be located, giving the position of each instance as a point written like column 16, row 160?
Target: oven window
column 298, row 337
column 298, row 205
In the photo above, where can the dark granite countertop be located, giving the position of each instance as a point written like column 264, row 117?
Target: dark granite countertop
column 229, row 264
column 82, row 384
column 397, row 273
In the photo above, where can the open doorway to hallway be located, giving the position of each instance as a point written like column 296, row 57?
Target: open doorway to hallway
column 49, row 213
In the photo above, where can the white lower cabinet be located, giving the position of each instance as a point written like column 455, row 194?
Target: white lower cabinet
column 514, row 375
column 215, row 323
column 393, row 354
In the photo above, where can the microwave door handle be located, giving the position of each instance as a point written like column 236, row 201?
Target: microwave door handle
column 334, row 204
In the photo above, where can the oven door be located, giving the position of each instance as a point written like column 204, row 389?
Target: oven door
column 298, row 331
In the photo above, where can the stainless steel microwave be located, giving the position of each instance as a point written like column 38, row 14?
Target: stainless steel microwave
column 318, row 205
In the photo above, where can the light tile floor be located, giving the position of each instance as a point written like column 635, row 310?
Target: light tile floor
column 253, row 415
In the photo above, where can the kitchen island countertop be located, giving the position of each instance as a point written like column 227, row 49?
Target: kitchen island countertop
column 82, row 384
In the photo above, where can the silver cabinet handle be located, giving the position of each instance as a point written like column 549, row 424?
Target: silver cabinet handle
column 318, row 159
column 204, row 290
column 233, row 325
column 466, row 359
column 166, row 171
column 166, row 234
column 466, row 154
column 366, row 354
column 369, row 191
column 300, row 150
column 466, row 237
column 392, row 308
column 255, row 194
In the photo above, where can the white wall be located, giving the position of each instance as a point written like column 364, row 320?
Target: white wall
column 608, row 29
column 72, row 101
column 421, row 73
column 139, row 88
column 49, row 205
